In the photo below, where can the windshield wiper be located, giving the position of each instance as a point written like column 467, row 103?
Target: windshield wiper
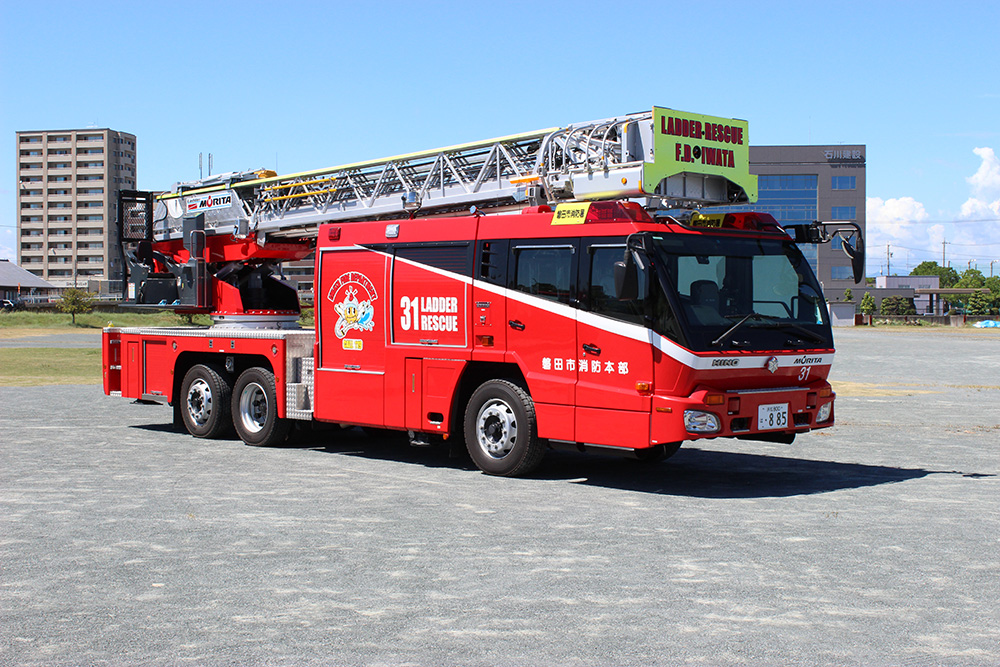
column 733, row 329
column 770, row 323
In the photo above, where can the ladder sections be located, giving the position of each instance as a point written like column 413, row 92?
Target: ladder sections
column 601, row 159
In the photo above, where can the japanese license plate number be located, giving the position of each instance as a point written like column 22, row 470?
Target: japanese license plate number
column 770, row 417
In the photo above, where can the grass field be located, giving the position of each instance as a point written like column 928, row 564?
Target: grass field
column 39, row 366
column 26, row 319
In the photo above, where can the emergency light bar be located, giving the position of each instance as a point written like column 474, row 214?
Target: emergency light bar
column 748, row 221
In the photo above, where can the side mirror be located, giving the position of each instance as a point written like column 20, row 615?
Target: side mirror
column 857, row 255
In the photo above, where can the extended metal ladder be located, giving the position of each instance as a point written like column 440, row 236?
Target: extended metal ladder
column 600, row 159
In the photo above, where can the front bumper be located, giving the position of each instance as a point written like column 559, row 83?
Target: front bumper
column 711, row 413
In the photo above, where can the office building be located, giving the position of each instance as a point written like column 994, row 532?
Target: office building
column 801, row 184
column 68, row 183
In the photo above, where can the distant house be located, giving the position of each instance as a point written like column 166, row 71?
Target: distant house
column 907, row 286
column 17, row 283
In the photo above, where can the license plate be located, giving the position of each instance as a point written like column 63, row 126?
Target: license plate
column 770, row 417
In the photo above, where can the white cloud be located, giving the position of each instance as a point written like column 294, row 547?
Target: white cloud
column 974, row 209
column 986, row 181
column 894, row 218
column 904, row 224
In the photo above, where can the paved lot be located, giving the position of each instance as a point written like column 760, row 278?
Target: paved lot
column 876, row 543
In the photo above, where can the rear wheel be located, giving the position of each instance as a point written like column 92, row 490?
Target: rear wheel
column 205, row 395
column 501, row 433
column 255, row 409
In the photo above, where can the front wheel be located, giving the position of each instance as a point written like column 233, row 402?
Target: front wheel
column 255, row 409
column 501, row 433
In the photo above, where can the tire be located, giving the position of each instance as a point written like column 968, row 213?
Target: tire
column 205, row 402
column 501, row 432
column 255, row 409
column 657, row 453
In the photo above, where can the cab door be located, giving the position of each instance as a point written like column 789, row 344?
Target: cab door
column 351, row 320
column 541, row 328
column 615, row 366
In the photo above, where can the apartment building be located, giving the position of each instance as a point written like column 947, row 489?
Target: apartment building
column 68, row 183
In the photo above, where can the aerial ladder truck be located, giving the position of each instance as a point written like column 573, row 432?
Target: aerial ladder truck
column 577, row 286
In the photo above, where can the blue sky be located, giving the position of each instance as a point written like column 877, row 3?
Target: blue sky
column 305, row 85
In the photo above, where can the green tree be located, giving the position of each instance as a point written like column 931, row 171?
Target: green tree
column 970, row 279
column 897, row 305
column 848, row 295
column 977, row 304
column 993, row 282
column 948, row 276
column 76, row 301
column 867, row 304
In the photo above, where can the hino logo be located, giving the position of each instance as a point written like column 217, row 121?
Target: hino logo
column 725, row 362
column 808, row 360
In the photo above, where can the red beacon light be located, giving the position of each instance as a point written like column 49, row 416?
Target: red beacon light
column 749, row 221
column 610, row 211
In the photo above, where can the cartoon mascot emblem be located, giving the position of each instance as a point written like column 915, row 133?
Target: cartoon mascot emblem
column 352, row 295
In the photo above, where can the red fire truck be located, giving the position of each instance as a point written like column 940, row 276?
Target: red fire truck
column 550, row 288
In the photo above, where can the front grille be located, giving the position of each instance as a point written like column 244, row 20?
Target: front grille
column 802, row 419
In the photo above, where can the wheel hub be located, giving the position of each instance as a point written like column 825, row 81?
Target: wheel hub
column 253, row 407
column 199, row 402
column 496, row 428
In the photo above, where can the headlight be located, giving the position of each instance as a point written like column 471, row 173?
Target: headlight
column 696, row 421
column 823, row 414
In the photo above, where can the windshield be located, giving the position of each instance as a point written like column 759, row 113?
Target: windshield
column 728, row 292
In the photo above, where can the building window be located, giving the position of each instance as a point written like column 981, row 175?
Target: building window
column 844, row 212
column 793, row 199
column 841, row 273
column 844, row 183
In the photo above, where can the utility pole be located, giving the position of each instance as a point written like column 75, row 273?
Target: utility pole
column 888, row 270
column 943, row 244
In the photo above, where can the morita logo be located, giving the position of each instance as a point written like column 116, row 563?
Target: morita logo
column 808, row 360
column 209, row 202
column 725, row 362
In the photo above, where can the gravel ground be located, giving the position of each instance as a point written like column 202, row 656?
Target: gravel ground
column 876, row 542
